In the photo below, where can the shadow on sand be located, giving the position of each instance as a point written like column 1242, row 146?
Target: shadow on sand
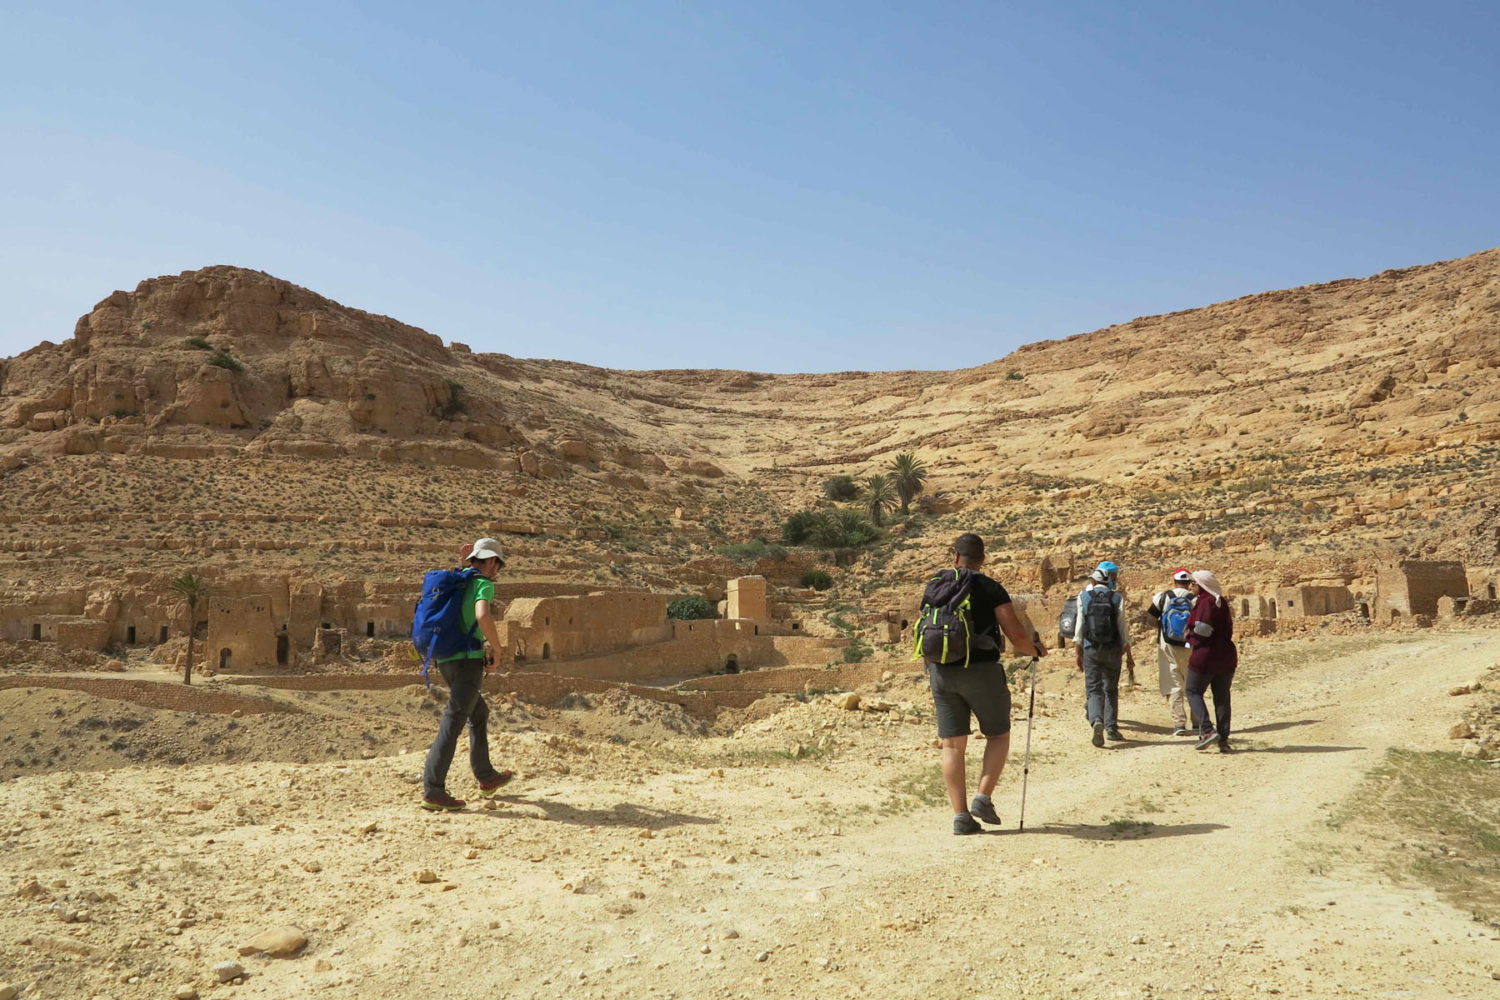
column 1291, row 748
column 1114, row 831
column 1272, row 727
column 625, row 814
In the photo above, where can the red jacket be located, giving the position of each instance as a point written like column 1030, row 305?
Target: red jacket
column 1214, row 652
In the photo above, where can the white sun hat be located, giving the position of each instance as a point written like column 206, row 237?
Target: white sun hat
column 487, row 548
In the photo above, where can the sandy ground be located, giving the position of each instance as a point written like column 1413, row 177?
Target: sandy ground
column 693, row 866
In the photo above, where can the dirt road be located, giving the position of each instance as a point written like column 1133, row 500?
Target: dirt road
column 724, row 867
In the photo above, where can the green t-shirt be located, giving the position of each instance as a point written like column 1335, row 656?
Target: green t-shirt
column 479, row 589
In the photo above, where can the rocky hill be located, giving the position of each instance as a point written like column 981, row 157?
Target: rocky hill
column 226, row 419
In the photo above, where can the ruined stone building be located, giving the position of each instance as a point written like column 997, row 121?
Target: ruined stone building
column 1412, row 587
column 542, row 628
column 1310, row 601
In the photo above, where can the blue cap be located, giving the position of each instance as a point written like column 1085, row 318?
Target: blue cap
column 1109, row 567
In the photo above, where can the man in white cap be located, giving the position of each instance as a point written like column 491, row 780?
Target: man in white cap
column 1171, row 608
column 464, row 674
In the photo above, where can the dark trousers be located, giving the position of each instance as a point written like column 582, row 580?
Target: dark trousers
column 1197, row 683
column 465, row 704
column 1101, row 679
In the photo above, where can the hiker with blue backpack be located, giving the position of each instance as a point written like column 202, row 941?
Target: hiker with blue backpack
column 453, row 620
column 958, row 639
column 1172, row 608
column 1102, row 639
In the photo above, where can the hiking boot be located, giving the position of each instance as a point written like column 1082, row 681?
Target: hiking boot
column 964, row 824
column 984, row 810
column 1113, row 733
column 490, row 787
column 442, row 802
column 1098, row 740
column 1205, row 740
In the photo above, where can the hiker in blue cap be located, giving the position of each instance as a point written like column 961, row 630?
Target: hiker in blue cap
column 1102, row 638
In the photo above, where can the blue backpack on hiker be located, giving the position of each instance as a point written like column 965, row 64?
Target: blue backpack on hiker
column 1175, row 612
column 437, row 625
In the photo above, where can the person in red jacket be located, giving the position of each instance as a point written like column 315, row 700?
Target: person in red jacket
column 1213, row 660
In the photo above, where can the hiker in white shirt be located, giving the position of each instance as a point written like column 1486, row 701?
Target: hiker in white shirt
column 1170, row 609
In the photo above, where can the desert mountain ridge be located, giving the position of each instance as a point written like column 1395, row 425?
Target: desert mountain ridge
column 1301, row 434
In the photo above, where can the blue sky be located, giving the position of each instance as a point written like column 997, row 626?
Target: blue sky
column 775, row 186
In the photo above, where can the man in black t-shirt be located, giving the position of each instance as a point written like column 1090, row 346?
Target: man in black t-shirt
column 979, row 690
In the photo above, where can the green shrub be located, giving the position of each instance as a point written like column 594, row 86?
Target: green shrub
column 690, row 609
column 817, row 579
column 223, row 360
column 799, row 527
column 842, row 488
column 856, row 653
column 1014, row 376
column 744, row 552
column 455, row 403
column 845, row 529
column 199, row 343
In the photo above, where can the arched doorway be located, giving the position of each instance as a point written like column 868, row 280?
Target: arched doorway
column 732, row 664
column 546, row 650
column 226, row 658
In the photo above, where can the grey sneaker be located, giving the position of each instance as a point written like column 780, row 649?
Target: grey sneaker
column 1206, row 740
column 984, row 811
column 1098, row 734
column 1184, row 731
column 965, row 824
column 1115, row 735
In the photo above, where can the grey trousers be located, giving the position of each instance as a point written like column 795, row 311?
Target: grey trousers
column 1101, row 679
column 465, row 706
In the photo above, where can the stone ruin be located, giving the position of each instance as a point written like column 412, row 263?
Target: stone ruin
column 264, row 624
column 1309, row 601
column 1408, row 587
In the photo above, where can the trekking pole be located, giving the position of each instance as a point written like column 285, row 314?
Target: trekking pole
column 1026, row 762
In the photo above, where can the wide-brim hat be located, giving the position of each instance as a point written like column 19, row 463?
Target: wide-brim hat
column 486, row 548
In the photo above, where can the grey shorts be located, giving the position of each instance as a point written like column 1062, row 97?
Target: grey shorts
column 978, row 689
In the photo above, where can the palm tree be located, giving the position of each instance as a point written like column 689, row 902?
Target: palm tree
column 910, row 474
column 879, row 496
column 193, row 590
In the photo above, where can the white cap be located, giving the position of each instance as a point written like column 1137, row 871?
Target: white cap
column 1099, row 576
column 487, row 548
column 1182, row 576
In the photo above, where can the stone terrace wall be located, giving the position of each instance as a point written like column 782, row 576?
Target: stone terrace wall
column 699, row 647
column 537, row 687
column 154, row 694
column 790, row 680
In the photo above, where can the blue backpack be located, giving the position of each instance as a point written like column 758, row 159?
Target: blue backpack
column 1174, row 618
column 437, row 624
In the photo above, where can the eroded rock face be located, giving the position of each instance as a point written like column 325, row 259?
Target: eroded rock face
column 277, row 368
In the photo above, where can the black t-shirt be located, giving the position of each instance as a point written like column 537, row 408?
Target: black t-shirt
column 985, row 595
